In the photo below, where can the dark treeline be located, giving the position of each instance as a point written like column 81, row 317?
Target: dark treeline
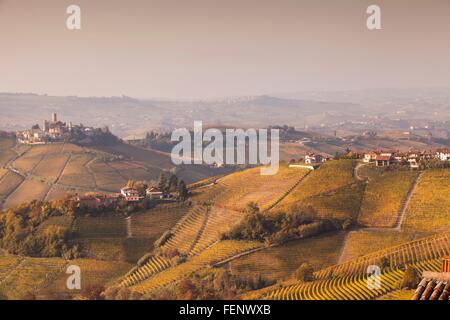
column 21, row 232
column 279, row 227
column 211, row 285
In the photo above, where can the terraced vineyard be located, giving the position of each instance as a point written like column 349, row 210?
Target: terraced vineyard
column 8, row 183
column 361, row 242
column 59, row 221
column 220, row 251
column 135, row 171
column 219, row 208
column 280, row 262
column 45, row 278
column 52, row 172
column 99, row 227
column 28, row 162
column 405, row 294
column 329, row 177
column 95, row 273
column 419, row 250
column 29, row 189
column 349, row 280
column 101, row 238
column 154, row 161
column 219, row 221
column 63, row 168
column 429, row 207
column 238, row 189
column 150, row 268
column 342, row 204
column 7, row 265
column 331, row 189
column 76, row 172
column 152, row 223
column 384, row 196
column 106, row 177
column 204, row 224
column 30, row 275
column 6, row 151
column 186, row 230
column 351, row 287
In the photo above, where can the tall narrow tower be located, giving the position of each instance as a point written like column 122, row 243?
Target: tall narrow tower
column 54, row 117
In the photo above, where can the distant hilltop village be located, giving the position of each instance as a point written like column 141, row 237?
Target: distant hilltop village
column 53, row 131
column 413, row 159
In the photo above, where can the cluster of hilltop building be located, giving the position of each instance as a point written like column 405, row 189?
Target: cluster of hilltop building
column 128, row 195
column 383, row 158
column 412, row 158
column 52, row 131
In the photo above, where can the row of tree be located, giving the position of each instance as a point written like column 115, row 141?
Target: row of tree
column 172, row 184
column 165, row 184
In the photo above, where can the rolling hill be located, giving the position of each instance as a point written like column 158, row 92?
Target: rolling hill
column 46, row 172
column 396, row 218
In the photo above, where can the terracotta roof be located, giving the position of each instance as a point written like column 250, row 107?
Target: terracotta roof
column 383, row 158
column 432, row 289
column 113, row 196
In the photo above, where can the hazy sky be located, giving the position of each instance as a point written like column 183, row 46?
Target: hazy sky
column 211, row 48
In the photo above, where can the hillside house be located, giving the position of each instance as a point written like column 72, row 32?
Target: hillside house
column 154, row 193
column 131, row 194
column 97, row 201
column 157, row 194
column 87, row 202
column 427, row 155
column 134, row 198
column 400, row 157
column 413, row 158
column 414, row 155
column 311, row 158
column 370, row 157
column 383, row 160
column 413, row 163
column 443, row 154
column 111, row 199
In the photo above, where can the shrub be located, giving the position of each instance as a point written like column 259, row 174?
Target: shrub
column 110, row 293
column 279, row 227
column 411, row 278
column 304, row 273
column 92, row 292
column 163, row 239
column 20, row 234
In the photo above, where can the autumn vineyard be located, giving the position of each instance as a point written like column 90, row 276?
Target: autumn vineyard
column 306, row 233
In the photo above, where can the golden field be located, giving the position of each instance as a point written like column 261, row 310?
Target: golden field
column 383, row 198
column 429, row 209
